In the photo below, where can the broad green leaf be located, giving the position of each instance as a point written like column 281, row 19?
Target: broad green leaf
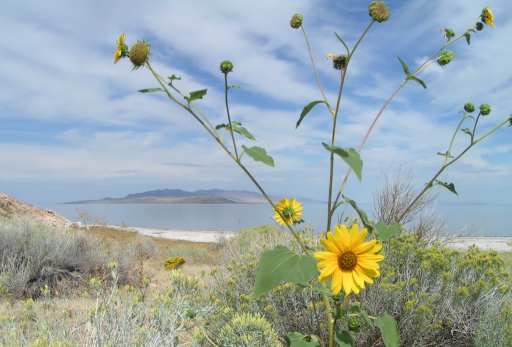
column 307, row 109
column 344, row 339
column 195, row 95
column 389, row 330
column 405, row 67
column 450, row 186
column 386, row 232
column 237, row 128
column 259, row 154
column 299, row 340
column 343, row 43
column 350, row 156
column 419, row 80
column 151, row 90
column 362, row 215
column 282, row 265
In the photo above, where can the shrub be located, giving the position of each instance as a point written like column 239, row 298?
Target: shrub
column 33, row 256
column 439, row 297
column 117, row 317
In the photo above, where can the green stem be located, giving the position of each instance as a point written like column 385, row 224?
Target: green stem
column 395, row 93
column 474, row 127
column 335, row 117
column 445, row 166
column 221, row 144
column 226, row 89
column 315, row 71
column 452, row 141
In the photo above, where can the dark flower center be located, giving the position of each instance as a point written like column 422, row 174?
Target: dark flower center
column 347, row 261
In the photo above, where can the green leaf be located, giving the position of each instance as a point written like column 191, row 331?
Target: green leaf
column 296, row 339
column 450, row 186
column 306, row 110
column 467, row 36
column 173, row 77
column 259, row 154
column 467, row 131
column 343, row 43
column 389, row 330
column 151, row 90
column 195, row 95
column 419, row 80
column 362, row 215
column 344, row 339
column 405, row 67
column 350, row 156
column 445, row 154
column 282, row 265
column 237, row 128
column 386, row 232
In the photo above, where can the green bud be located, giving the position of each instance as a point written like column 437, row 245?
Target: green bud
column 479, row 26
column 354, row 323
column 445, row 58
column 226, row 67
column 469, row 107
column 378, row 11
column 296, row 21
column 485, row 109
column 449, row 34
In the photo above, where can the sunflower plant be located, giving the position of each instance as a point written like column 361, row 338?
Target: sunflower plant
column 346, row 259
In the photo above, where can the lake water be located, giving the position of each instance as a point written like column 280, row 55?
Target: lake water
column 481, row 220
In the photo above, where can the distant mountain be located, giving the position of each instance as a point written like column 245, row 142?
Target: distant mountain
column 179, row 196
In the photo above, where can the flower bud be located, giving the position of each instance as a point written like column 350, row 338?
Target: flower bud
column 226, row 67
column 485, row 109
column 479, row 26
column 354, row 323
column 469, row 107
column 378, row 11
column 139, row 54
column 445, row 58
column 296, row 21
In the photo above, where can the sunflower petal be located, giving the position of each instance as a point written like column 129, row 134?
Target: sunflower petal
column 337, row 282
column 348, row 282
column 325, row 256
column 365, row 247
column 330, row 245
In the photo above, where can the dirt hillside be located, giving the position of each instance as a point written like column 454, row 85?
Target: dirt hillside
column 10, row 207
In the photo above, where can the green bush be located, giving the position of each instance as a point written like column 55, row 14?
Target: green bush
column 439, row 297
column 35, row 256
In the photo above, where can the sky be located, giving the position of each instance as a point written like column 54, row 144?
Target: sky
column 73, row 126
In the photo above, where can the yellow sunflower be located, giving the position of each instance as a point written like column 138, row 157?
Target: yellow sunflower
column 349, row 261
column 290, row 210
column 488, row 17
column 121, row 48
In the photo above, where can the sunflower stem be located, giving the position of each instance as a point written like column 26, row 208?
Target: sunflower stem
column 211, row 132
column 226, row 89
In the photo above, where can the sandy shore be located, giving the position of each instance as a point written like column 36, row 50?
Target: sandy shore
column 500, row 244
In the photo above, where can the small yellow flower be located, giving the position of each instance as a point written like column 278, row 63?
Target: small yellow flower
column 349, row 261
column 290, row 210
column 488, row 17
column 121, row 48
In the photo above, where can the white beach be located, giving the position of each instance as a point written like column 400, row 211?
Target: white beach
column 499, row 244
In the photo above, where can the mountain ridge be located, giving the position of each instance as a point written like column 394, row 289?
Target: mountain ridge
column 180, row 196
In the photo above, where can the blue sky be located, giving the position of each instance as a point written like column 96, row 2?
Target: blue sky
column 74, row 127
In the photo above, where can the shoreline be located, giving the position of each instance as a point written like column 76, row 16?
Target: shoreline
column 497, row 243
